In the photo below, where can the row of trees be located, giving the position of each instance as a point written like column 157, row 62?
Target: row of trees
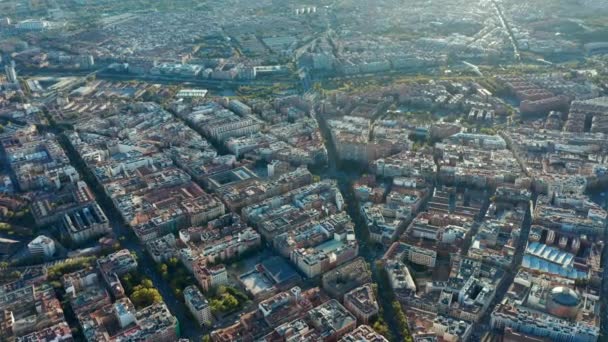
column 174, row 272
column 380, row 325
column 402, row 321
column 55, row 272
column 392, row 306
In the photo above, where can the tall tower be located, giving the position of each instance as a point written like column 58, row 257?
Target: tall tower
column 11, row 74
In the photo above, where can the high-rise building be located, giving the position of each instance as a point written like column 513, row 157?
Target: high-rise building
column 42, row 246
column 11, row 74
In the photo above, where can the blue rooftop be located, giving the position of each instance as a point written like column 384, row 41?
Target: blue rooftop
column 279, row 270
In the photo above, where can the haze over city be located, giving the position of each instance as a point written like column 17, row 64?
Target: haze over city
column 286, row 171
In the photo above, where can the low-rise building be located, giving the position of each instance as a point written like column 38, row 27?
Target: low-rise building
column 362, row 303
column 363, row 333
column 198, row 305
column 414, row 254
column 86, row 223
column 537, row 323
column 331, row 320
column 346, row 277
column 29, row 310
column 318, row 260
column 400, row 279
column 209, row 276
column 163, row 248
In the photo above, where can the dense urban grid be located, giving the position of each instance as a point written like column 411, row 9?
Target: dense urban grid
column 285, row 171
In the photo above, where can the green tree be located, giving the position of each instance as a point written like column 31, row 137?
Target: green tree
column 164, row 271
column 147, row 283
column 382, row 328
column 231, row 301
column 127, row 281
column 143, row 297
column 224, row 301
column 173, row 262
column 401, row 320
